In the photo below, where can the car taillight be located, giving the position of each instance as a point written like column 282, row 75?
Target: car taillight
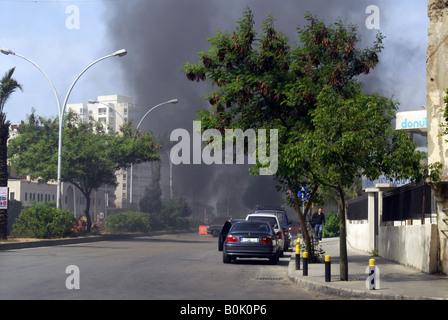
column 266, row 240
column 280, row 235
column 231, row 239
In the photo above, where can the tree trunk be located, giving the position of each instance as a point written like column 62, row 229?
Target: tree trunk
column 343, row 266
column 87, row 214
column 4, row 135
column 305, row 234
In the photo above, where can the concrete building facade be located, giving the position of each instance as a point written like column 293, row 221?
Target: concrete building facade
column 423, row 246
column 436, row 86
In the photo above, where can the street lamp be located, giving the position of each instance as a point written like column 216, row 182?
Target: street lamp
column 160, row 104
column 7, row 52
column 172, row 101
column 61, row 109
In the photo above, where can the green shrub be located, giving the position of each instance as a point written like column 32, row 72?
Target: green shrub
column 130, row 221
column 44, row 222
column 331, row 225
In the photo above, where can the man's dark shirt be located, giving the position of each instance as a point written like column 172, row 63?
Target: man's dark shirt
column 319, row 218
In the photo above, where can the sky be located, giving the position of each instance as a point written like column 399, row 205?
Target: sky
column 64, row 37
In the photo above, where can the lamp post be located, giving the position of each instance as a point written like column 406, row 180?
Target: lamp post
column 173, row 101
column 61, row 109
column 8, row 52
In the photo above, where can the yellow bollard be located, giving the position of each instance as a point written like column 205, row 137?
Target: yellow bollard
column 373, row 280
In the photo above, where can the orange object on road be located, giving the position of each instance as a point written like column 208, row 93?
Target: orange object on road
column 202, row 230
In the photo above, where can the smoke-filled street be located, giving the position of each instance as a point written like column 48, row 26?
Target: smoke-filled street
column 166, row 267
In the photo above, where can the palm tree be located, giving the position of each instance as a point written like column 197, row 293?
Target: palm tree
column 8, row 85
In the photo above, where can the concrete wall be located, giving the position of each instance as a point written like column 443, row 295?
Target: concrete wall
column 410, row 245
column 436, row 84
column 358, row 235
column 413, row 245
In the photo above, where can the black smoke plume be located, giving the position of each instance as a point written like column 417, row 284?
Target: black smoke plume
column 161, row 35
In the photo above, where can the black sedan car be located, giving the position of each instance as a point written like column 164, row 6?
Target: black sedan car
column 251, row 239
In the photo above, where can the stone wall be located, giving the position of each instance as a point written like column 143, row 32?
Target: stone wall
column 436, row 85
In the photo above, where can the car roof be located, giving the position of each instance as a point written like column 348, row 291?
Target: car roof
column 251, row 221
column 273, row 215
column 283, row 215
column 263, row 214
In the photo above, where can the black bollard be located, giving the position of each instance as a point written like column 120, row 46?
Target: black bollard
column 305, row 263
column 327, row 269
column 298, row 254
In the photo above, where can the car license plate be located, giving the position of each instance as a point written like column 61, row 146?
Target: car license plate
column 249, row 240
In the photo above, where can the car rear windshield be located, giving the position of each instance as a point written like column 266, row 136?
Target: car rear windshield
column 271, row 220
column 251, row 226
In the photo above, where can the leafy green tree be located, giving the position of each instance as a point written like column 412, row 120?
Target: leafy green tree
column 173, row 214
column 91, row 155
column 8, row 85
column 330, row 132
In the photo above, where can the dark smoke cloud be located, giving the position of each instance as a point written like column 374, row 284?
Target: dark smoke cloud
column 161, row 35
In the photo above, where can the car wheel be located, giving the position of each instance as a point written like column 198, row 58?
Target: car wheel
column 215, row 233
column 226, row 258
column 274, row 259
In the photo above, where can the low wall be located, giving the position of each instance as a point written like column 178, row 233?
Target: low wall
column 412, row 245
column 357, row 235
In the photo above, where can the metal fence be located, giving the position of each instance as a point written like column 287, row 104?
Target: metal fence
column 399, row 204
column 408, row 202
column 357, row 208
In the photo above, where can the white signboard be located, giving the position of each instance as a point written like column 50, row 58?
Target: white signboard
column 3, row 197
column 412, row 120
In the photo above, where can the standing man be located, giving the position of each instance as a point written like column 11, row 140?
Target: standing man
column 319, row 221
column 224, row 231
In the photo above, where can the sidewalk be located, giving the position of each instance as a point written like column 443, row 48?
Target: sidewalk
column 397, row 282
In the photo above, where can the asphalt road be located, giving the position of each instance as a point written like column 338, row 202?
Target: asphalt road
column 167, row 267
